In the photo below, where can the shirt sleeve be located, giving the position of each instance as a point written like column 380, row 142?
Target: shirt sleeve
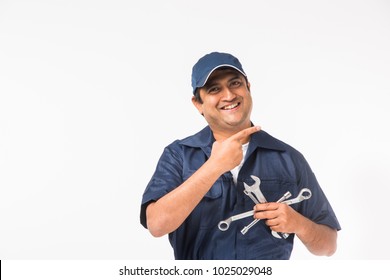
column 317, row 208
column 167, row 176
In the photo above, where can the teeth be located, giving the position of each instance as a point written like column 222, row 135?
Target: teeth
column 229, row 107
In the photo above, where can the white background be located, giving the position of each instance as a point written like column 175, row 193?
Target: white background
column 92, row 91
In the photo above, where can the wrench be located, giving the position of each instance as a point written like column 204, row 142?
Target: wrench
column 301, row 197
column 255, row 189
column 224, row 225
column 257, row 196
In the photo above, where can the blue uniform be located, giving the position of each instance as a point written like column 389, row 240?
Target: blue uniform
column 280, row 167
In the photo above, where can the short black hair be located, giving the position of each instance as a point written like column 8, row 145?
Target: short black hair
column 197, row 96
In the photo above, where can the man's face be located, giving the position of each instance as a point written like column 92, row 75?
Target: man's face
column 227, row 102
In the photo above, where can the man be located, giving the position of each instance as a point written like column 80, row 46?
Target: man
column 199, row 181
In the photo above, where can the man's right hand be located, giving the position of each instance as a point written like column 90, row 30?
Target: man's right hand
column 227, row 154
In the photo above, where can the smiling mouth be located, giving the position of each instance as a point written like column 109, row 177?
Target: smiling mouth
column 231, row 106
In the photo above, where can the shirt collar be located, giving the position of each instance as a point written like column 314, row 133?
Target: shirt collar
column 203, row 138
column 261, row 139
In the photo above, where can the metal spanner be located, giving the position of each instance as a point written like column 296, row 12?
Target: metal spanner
column 255, row 189
column 224, row 225
column 304, row 194
column 257, row 196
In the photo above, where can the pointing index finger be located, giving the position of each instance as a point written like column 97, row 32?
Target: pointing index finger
column 245, row 133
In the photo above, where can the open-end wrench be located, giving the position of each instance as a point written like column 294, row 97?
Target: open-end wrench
column 224, row 225
column 255, row 190
column 251, row 196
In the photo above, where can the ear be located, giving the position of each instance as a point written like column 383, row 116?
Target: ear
column 248, row 85
column 197, row 105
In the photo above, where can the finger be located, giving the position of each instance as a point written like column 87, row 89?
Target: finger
column 272, row 222
column 265, row 215
column 270, row 206
column 243, row 134
column 268, row 214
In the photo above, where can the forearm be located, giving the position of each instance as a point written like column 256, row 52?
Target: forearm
column 320, row 240
column 170, row 211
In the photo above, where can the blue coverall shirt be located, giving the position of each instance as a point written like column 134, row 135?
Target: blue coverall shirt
column 280, row 168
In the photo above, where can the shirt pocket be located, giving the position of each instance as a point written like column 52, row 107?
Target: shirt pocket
column 211, row 207
column 274, row 189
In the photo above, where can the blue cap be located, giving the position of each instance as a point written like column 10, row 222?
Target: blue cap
column 210, row 62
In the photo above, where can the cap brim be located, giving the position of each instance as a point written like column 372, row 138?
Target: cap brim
column 215, row 68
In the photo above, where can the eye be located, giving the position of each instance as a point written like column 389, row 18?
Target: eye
column 213, row 90
column 235, row 83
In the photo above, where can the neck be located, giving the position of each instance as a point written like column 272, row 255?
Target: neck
column 221, row 135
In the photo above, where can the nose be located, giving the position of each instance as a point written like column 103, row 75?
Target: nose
column 228, row 95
